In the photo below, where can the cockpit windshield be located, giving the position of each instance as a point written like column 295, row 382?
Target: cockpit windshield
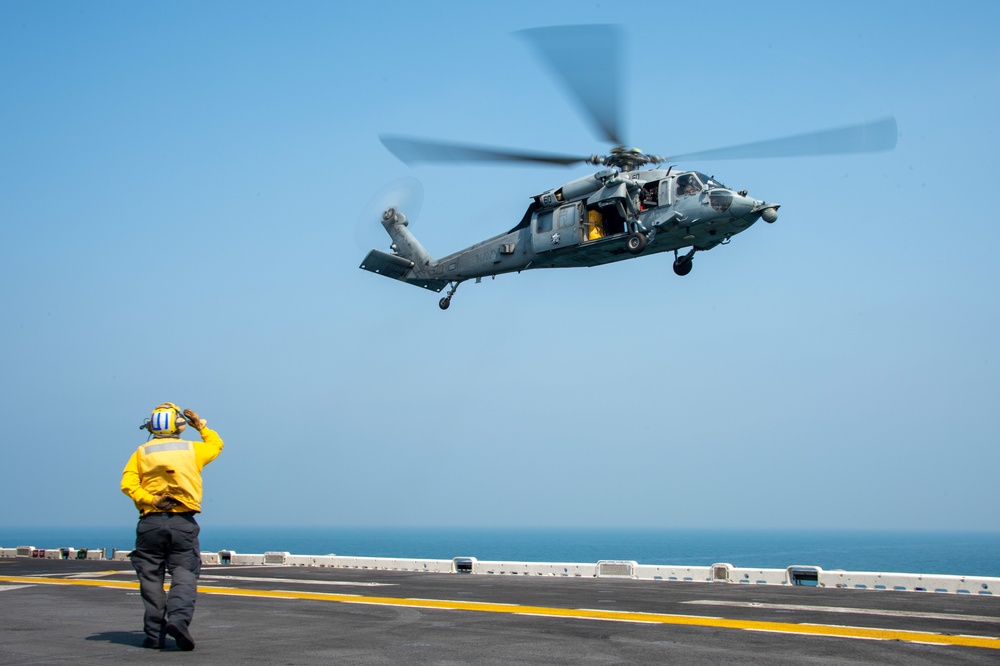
column 688, row 184
column 709, row 181
column 694, row 182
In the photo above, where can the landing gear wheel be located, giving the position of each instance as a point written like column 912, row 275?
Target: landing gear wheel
column 635, row 243
column 683, row 265
column 446, row 301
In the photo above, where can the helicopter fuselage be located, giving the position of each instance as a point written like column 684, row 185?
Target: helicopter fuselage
column 598, row 219
column 629, row 209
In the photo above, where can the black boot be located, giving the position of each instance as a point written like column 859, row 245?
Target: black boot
column 181, row 634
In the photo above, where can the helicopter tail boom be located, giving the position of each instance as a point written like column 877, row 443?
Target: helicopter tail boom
column 404, row 243
column 410, row 261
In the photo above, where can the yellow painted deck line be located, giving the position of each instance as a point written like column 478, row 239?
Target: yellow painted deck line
column 990, row 642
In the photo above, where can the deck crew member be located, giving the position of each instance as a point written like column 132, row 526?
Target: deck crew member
column 163, row 478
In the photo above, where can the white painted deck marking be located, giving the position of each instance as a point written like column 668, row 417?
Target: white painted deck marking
column 343, row 583
column 7, row 588
column 848, row 610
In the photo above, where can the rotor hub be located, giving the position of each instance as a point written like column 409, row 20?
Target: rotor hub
column 626, row 159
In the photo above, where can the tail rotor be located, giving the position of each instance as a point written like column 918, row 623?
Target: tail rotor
column 405, row 195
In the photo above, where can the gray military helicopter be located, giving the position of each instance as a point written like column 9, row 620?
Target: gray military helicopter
column 620, row 212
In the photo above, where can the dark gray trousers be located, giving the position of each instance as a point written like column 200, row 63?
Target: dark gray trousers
column 167, row 542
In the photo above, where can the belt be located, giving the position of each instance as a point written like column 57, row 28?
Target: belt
column 169, row 513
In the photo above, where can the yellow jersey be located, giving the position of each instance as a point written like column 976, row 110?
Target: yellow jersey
column 170, row 466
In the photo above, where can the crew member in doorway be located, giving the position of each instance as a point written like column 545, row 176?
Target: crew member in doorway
column 163, row 478
column 647, row 196
column 595, row 225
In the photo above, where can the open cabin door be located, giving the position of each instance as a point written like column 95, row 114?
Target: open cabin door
column 608, row 212
column 557, row 228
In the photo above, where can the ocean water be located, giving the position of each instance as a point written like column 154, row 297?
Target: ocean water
column 959, row 553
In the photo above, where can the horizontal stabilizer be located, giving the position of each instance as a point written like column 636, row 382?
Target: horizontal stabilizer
column 433, row 285
column 396, row 267
column 389, row 265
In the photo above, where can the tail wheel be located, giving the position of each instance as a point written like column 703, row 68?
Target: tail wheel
column 683, row 265
column 446, row 301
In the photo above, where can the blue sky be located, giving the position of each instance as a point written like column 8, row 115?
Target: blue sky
column 180, row 190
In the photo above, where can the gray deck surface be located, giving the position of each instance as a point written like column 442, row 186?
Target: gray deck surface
column 48, row 623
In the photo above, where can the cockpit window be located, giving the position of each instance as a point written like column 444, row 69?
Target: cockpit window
column 688, row 184
column 710, row 181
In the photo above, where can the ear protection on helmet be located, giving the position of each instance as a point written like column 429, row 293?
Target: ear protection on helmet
column 167, row 419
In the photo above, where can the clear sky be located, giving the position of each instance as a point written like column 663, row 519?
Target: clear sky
column 180, row 189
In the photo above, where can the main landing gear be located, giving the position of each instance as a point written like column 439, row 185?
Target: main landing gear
column 446, row 301
column 638, row 238
column 636, row 242
column 683, row 263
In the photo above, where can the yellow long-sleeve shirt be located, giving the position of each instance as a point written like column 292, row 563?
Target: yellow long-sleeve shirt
column 170, row 466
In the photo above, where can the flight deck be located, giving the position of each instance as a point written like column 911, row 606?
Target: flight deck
column 88, row 610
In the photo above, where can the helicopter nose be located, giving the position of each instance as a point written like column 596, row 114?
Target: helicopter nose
column 741, row 205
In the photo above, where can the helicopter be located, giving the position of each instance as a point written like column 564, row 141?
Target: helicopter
column 629, row 208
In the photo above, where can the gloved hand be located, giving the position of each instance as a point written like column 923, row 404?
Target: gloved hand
column 196, row 421
column 165, row 502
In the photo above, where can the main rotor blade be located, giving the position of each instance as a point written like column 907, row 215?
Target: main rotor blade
column 868, row 137
column 418, row 150
column 584, row 58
